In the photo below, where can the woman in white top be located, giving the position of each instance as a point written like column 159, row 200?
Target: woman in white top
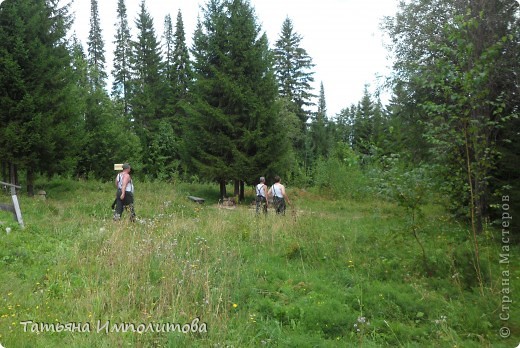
column 279, row 195
column 125, row 193
column 261, row 196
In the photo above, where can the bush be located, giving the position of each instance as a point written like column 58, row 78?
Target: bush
column 340, row 178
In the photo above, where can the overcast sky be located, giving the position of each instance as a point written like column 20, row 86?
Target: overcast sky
column 341, row 36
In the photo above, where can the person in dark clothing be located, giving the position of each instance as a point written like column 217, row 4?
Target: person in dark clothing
column 261, row 196
column 125, row 193
column 279, row 196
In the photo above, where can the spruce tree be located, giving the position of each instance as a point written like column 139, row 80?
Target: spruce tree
column 294, row 70
column 182, row 74
column 121, row 71
column 319, row 128
column 96, row 49
column 177, row 71
column 235, row 129
column 39, row 120
column 168, row 69
column 148, row 87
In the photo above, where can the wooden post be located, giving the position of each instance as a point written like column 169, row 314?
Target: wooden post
column 16, row 205
column 17, row 210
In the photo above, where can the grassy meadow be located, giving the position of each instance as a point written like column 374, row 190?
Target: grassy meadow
column 331, row 273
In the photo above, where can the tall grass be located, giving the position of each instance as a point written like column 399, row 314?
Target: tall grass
column 331, row 273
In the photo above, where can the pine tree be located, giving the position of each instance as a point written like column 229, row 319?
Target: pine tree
column 122, row 56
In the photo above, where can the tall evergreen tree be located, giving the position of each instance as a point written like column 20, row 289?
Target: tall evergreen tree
column 96, row 49
column 107, row 134
column 182, row 74
column 180, row 79
column 121, row 71
column 148, row 88
column 406, row 127
column 177, row 69
column 96, row 71
column 235, row 129
column 169, row 69
column 38, row 116
column 168, row 47
column 294, row 70
column 363, row 126
column 319, row 127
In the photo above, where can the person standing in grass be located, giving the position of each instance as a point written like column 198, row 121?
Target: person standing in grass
column 125, row 193
column 279, row 195
column 261, row 196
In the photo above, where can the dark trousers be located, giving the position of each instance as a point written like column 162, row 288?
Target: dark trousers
column 127, row 202
column 261, row 202
column 279, row 205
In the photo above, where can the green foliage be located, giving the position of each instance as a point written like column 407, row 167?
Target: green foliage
column 453, row 85
column 39, row 120
column 96, row 50
column 235, row 131
column 320, row 129
column 293, row 69
column 340, row 174
column 121, row 63
column 410, row 188
column 162, row 149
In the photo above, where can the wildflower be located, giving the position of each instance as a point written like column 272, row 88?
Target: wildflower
column 235, row 305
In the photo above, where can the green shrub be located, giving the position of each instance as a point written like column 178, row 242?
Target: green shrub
column 340, row 179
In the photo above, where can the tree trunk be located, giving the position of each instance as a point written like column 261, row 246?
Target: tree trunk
column 222, row 189
column 237, row 188
column 30, row 182
column 5, row 173
column 479, row 207
column 242, row 192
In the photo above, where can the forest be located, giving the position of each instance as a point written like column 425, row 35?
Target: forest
column 234, row 107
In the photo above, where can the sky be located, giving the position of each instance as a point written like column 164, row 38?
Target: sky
column 341, row 36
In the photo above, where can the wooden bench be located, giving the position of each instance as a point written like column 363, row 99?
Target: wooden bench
column 196, row 199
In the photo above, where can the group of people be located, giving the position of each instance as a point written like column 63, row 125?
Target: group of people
column 277, row 191
column 125, row 195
